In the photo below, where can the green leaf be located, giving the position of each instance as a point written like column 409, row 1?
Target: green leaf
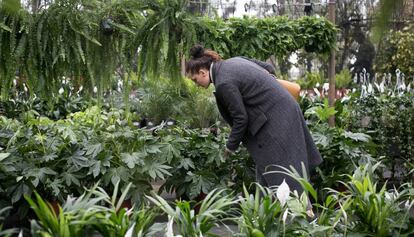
column 93, row 149
column 4, row 27
column 70, row 178
column 78, row 160
column 132, row 159
column 56, row 185
column 4, row 156
column 186, row 163
column 128, row 159
column 122, row 27
column 170, row 152
column 39, row 174
column 19, row 191
column 157, row 170
column 67, row 133
column 357, row 136
column 321, row 139
column 153, row 149
column 96, row 168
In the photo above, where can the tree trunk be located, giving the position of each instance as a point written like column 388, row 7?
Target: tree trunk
column 281, row 4
column 35, row 5
column 345, row 51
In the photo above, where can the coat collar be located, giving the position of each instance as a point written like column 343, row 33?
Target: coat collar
column 214, row 68
column 211, row 73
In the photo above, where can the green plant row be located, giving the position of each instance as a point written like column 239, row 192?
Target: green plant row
column 363, row 209
column 88, row 41
column 58, row 158
column 262, row 38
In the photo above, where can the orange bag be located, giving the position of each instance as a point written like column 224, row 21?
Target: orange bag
column 292, row 87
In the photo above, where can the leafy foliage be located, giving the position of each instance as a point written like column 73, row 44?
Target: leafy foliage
column 262, row 38
column 343, row 79
column 86, row 215
column 169, row 30
column 66, row 40
column 202, row 168
column 373, row 210
column 389, row 119
column 212, row 209
column 311, row 80
column 362, row 209
column 164, row 99
column 396, row 52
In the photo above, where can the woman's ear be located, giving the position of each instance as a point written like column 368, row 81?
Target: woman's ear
column 204, row 72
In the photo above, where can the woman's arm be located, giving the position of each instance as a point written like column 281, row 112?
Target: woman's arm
column 232, row 101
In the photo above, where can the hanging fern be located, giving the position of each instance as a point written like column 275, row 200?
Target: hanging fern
column 68, row 39
column 168, row 32
column 89, row 41
column 13, row 39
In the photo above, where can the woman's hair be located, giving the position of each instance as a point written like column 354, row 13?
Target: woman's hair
column 200, row 58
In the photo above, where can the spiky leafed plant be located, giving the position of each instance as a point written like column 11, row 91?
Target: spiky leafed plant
column 374, row 210
column 168, row 32
column 212, row 209
column 93, row 212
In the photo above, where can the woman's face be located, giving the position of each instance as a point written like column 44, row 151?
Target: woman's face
column 202, row 78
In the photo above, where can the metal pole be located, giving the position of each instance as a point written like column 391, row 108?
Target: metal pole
column 331, row 67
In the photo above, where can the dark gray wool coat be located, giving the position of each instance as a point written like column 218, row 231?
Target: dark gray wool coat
column 265, row 117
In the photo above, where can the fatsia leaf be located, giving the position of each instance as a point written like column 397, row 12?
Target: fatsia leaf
column 156, row 169
column 4, row 156
column 39, row 174
column 95, row 168
column 321, row 139
column 49, row 157
column 153, row 149
column 78, row 160
column 357, row 136
column 132, row 159
column 93, row 149
column 19, row 190
column 186, row 163
column 70, row 178
column 56, row 185
column 67, row 133
column 128, row 159
column 169, row 151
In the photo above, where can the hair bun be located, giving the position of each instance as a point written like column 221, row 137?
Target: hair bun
column 197, row 51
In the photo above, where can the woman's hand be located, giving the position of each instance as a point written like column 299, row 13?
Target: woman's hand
column 227, row 153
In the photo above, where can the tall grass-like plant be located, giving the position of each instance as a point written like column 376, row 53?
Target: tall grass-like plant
column 373, row 210
column 65, row 221
column 93, row 212
column 4, row 212
column 119, row 221
column 275, row 213
column 212, row 209
column 261, row 215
